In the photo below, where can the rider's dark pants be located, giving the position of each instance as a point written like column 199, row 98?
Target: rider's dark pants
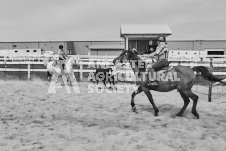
column 160, row 64
column 63, row 65
column 157, row 66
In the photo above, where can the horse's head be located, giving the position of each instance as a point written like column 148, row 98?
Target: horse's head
column 72, row 61
column 127, row 55
column 132, row 55
column 120, row 58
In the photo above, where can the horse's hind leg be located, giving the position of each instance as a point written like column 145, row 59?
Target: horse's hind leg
column 104, row 83
column 186, row 102
column 139, row 90
column 113, row 81
column 109, row 81
column 195, row 98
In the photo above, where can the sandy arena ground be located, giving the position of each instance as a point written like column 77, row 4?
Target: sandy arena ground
column 32, row 119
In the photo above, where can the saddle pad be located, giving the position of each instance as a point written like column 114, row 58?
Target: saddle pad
column 165, row 69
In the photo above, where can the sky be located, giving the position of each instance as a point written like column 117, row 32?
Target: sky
column 94, row 20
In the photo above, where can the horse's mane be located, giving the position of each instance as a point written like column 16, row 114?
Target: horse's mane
column 133, row 56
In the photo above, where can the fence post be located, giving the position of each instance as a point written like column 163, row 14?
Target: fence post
column 29, row 70
column 81, row 72
column 5, row 65
column 210, row 83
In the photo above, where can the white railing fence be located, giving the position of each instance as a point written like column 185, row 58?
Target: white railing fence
column 91, row 60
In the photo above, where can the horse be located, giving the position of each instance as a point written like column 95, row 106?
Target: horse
column 105, row 75
column 186, row 75
column 56, row 71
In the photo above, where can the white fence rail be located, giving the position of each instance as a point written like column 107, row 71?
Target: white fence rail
column 85, row 60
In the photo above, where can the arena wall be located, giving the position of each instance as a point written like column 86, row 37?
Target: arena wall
column 106, row 52
column 82, row 47
column 52, row 46
column 181, row 45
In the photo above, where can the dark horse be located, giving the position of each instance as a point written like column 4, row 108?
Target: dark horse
column 185, row 74
column 105, row 75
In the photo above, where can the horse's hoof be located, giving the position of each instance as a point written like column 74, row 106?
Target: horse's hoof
column 134, row 109
column 156, row 114
column 196, row 114
column 179, row 115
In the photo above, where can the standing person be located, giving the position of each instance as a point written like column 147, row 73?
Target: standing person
column 149, row 51
column 62, row 56
column 161, row 54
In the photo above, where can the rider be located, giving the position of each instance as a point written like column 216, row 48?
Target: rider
column 62, row 56
column 161, row 54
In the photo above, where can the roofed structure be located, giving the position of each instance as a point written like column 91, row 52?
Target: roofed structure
column 135, row 33
column 112, row 47
column 144, row 30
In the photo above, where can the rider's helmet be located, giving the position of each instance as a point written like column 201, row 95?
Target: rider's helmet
column 161, row 38
column 134, row 50
column 61, row 46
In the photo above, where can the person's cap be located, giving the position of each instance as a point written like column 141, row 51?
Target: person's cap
column 161, row 38
column 134, row 49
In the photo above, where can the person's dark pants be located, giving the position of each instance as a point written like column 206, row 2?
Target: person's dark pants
column 160, row 64
column 156, row 67
column 63, row 65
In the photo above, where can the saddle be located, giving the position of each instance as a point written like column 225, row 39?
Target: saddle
column 160, row 70
column 164, row 69
column 59, row 63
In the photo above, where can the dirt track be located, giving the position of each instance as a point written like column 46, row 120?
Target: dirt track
column 32, row 119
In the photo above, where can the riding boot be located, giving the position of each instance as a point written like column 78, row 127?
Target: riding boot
column 152, row 76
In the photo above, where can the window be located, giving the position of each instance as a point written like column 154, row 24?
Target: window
column 214, row 52
column 15, row 51
column 34, row 50
column 27, row 50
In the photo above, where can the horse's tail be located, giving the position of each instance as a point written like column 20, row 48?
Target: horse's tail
column 206, row 74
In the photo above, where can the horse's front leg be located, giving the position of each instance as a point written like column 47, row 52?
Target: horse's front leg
column 113, row 82
column 139, row 90
column 109, row 81
column 148, row 94
column 54, row 78
column 105, row 83
column 68, row 79
column 72, row 78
